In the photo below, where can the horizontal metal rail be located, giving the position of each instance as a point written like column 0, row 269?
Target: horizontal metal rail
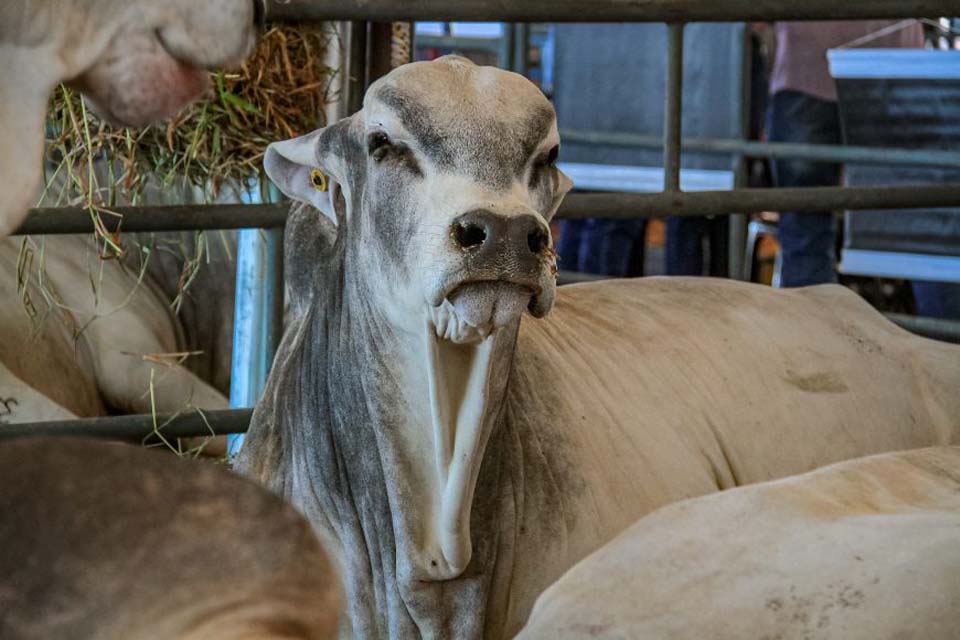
column 60, row 220
column 805, row 199
column 576, row 205
column 138, row 428
column 600, row 10
column 936, row 328
column 790, row 150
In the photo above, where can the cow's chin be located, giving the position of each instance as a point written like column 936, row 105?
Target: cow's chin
column 474, row 311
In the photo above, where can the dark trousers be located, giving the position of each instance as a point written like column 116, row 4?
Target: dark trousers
column 602, row 247
column 685, row 245
column 807, row 240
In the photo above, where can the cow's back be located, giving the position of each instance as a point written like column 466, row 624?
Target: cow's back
column 763, row 383
column 865, row 549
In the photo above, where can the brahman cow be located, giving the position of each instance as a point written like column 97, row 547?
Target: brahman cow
column 867, row 549
column 455, row 462
column 103, row 542
column 137, row 60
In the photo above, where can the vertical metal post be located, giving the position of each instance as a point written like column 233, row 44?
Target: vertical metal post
column 521, row 48
column 258, row 313
column 353, row 69
column 507, row 49
column 673, row 109
column 737, row 224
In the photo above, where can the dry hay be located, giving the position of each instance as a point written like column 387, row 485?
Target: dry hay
column 279, row 92
column 213, row 146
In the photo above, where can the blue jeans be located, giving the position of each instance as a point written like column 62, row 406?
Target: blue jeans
column 937, row 299
column 685, row 242
column 602, row 247
column 807, row 240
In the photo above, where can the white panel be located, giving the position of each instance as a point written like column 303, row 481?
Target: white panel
column 894, row 63
column 911, row 266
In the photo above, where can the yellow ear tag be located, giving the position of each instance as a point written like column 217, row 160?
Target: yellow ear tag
column 318, row 180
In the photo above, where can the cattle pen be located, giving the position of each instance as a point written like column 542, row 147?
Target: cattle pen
column 366, row 47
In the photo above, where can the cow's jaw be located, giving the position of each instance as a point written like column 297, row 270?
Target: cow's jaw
column 475, row 310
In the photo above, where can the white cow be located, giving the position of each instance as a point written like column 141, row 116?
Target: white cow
column 107, row 330
column 112, row 542
column 456, row 461
column 138, row 60
column 867, row 549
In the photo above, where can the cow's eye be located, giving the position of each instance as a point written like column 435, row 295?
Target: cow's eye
column 378, row 145
column 553, row 155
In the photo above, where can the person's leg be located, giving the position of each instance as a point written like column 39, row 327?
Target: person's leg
column 568, row 246
column 607, row 246
column 937, row 299
column 684, row 246
column 718, row 235
column 807, row 240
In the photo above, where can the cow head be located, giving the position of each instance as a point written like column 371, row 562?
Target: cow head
column 437, row 197
column 448, row 178
column 138, row 61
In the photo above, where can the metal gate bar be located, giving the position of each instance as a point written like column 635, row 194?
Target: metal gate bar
column 61, row 220
column 600, row 10
column 672, row 201
column 792, row 150
column 576, row 205
column 673, row 111
column 701, row 203
column 139, row 428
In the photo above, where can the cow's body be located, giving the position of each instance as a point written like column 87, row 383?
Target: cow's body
column 629, row 396
column 867, row 549
column 102, row 541
column 108, row 330
column 455, row 462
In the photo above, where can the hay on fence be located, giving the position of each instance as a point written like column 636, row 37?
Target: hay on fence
column 280, row 92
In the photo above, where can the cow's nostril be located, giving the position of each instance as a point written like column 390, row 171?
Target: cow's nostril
column 538, row 240
column 469, row 235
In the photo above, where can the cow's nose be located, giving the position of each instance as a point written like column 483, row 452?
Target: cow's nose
column 484, row 230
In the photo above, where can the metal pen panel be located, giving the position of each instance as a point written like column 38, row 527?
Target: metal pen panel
column 701, row 203
column 61, row 220
column 599, row 10
column 145, row 428
column 673, row 108
column 792, row 150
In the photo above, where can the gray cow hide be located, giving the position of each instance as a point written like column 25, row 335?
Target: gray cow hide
column 455, row 462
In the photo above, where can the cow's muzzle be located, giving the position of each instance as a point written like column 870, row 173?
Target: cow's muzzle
column 504, row 264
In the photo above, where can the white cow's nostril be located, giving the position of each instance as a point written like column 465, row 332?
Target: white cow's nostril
column 537, row 240
column 468, row 235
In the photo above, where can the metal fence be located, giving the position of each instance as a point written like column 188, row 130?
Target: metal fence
column 363, row 63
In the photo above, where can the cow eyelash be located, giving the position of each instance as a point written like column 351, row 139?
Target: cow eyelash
column 549, row 159
column 378, row 144
column 553, row 155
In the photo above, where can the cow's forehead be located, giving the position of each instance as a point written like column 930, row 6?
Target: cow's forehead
column 466, row 118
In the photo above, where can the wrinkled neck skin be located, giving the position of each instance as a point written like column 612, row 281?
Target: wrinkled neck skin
column 386, row 462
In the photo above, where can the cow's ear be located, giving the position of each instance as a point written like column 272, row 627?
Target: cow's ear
column 302, row 169
column 564, row 184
